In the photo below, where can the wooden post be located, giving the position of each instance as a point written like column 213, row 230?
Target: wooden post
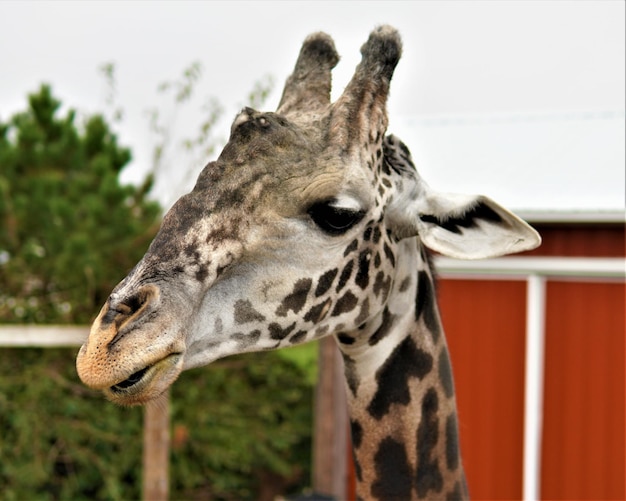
column 330, row 435
column 156, row 446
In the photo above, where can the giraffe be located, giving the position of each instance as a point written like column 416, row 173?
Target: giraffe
column 313, row 222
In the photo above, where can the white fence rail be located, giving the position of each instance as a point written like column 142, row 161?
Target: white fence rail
column 42, row 336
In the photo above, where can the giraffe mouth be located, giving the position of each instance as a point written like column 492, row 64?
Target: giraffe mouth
column 130, row 382
column 147, row 383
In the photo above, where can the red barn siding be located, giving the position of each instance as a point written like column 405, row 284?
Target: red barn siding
column 485, row 322
column 606, row 240
column 583, row 434
column 584, row 446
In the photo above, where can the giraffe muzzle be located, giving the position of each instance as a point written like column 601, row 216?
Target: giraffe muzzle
column 147, row 383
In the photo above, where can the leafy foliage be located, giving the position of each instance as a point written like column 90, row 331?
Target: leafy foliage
column 60, row 440
column 68, row 233
column 68, row 230
column 241, row 427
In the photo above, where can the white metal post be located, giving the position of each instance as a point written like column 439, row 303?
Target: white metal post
column 533, row 391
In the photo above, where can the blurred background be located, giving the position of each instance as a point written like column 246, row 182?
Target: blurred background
column 109, row 110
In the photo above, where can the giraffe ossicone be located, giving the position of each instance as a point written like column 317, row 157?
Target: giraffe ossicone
column 313, row 222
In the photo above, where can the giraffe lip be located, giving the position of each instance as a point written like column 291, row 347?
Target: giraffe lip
column 140, row 380
column 134, row 379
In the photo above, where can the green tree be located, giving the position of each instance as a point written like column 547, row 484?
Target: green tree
column 68, row 233
column 69, row 230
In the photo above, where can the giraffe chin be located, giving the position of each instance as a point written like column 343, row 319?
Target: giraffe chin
column 147, row 384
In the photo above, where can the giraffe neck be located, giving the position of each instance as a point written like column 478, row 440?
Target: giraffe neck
column 401, row 394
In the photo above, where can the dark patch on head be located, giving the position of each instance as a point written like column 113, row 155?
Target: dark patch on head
column 445, row 373
column 345, row 338
column 351, row 248
column 221, row 268
column 377, row 260
column 245, row 340
column 345, row 276
column 298, row 337
column 393, row 471
column 377, row 235
column 405, row 284
column 296, row 299
column 325, row 282
column 382, row 284
column 220, row 233
column 191, row 250
column 202, row 272
column 349, row 370
column 357, row 433
column 465, row 221
column 452, row 443
column 406, row 361
column 425, row 304
column 345, row 303
column 386, row 165
column 389, row 254
column 384, row 328
column 318, row 312
column 428, row 475
column 367, row 234
column 277, row 332
column 362, row 275
column 322, row 330
column 245, row 312
column 399, row 165
column 456, row 494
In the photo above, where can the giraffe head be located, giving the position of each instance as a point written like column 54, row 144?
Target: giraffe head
column 290, row 235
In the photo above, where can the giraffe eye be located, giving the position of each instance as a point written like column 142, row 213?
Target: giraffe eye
column 334, row 220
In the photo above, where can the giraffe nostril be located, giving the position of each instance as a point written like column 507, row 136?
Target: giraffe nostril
column 123, row 310
column 133, row 303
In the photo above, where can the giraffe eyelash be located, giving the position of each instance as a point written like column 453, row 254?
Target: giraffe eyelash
column 334, row 220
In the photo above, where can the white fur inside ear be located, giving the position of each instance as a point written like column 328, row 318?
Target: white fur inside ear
column 475, row 227
column 445, row 205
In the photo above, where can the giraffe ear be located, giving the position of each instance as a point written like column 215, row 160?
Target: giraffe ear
column 471, row 227
column 460, row 226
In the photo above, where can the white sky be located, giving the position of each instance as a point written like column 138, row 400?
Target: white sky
column 459, row 56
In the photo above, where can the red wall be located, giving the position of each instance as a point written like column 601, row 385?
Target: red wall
column 583, row 430
column 584, row 446
column 485, row 326
column 603, row 240
column 583, row 433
